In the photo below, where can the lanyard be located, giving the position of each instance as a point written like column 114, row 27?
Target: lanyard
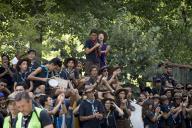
column 25, row 76
column 92, row 105
column 107, row 117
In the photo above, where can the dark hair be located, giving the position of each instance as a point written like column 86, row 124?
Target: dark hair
column 105, row 35
column 93, row 31
column 70, row 59
column 31, row 50
column 168, row 66
column 22, row 95
column 20, row 62
column 43, row 99
column 3, row 80
column 92, row 67
column 24, row 84
column 56, row 61
column 5, row 55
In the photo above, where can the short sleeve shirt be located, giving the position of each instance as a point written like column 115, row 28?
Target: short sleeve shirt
column 87, row 109
column 93, row 56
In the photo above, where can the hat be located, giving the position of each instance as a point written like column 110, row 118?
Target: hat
column 168, row 89
column 70, row 59
column 120, row 90
column 89, row 89
column 101, row 94
column 11, row 97
column 163, row 98
column 156, row 96
column 189, row 86
column 177, row 95
column 116, row 67
column 179, row 86
column 110, row 99
column 103, row 68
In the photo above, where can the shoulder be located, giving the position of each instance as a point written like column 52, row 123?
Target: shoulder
column 42, row 114
column 87, row 42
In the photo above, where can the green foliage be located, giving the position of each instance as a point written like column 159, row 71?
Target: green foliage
column 141, row 32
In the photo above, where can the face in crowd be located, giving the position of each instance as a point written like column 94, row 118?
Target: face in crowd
column 19, row 89
column 101, row 37
column 5, row 60
column 71, row 64
column 122, row 95
column 94, row 72
column 12, row 108
column 93, row 36
column 90, row 94
column 105, row 72
column 23, row 66
column 31, row 55
column 24, row 106
column 108, row 104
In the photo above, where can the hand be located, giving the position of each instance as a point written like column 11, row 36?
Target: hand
column 5, row 65
column 60, row 99
column 114, row 105
column 115, row 73
column 98, row 115
column 172, row 109
column 97, row 45
column 6, row 71
column 157, row 110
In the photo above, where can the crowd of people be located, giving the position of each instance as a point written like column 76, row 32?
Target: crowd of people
column 72, row 94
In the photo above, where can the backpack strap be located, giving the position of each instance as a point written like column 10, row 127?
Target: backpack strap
column 38, row 117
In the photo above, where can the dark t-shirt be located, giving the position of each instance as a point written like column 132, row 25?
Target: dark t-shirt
column 7, row 77
column 169, row 78
column 166, row 122
column 43, row 74
column 110, row 119
column 147, row 120
column 34, row 65
column 87, row 109
column 93, row 56
column 21, row 77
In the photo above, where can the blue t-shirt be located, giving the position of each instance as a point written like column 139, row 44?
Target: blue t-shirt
column 93, row 56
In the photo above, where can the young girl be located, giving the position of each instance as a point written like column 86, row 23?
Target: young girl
column 22, row 74
column 104, row 48
column 150, row 117
column 111, row 114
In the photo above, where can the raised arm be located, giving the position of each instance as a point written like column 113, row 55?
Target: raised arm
column 33, row 77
